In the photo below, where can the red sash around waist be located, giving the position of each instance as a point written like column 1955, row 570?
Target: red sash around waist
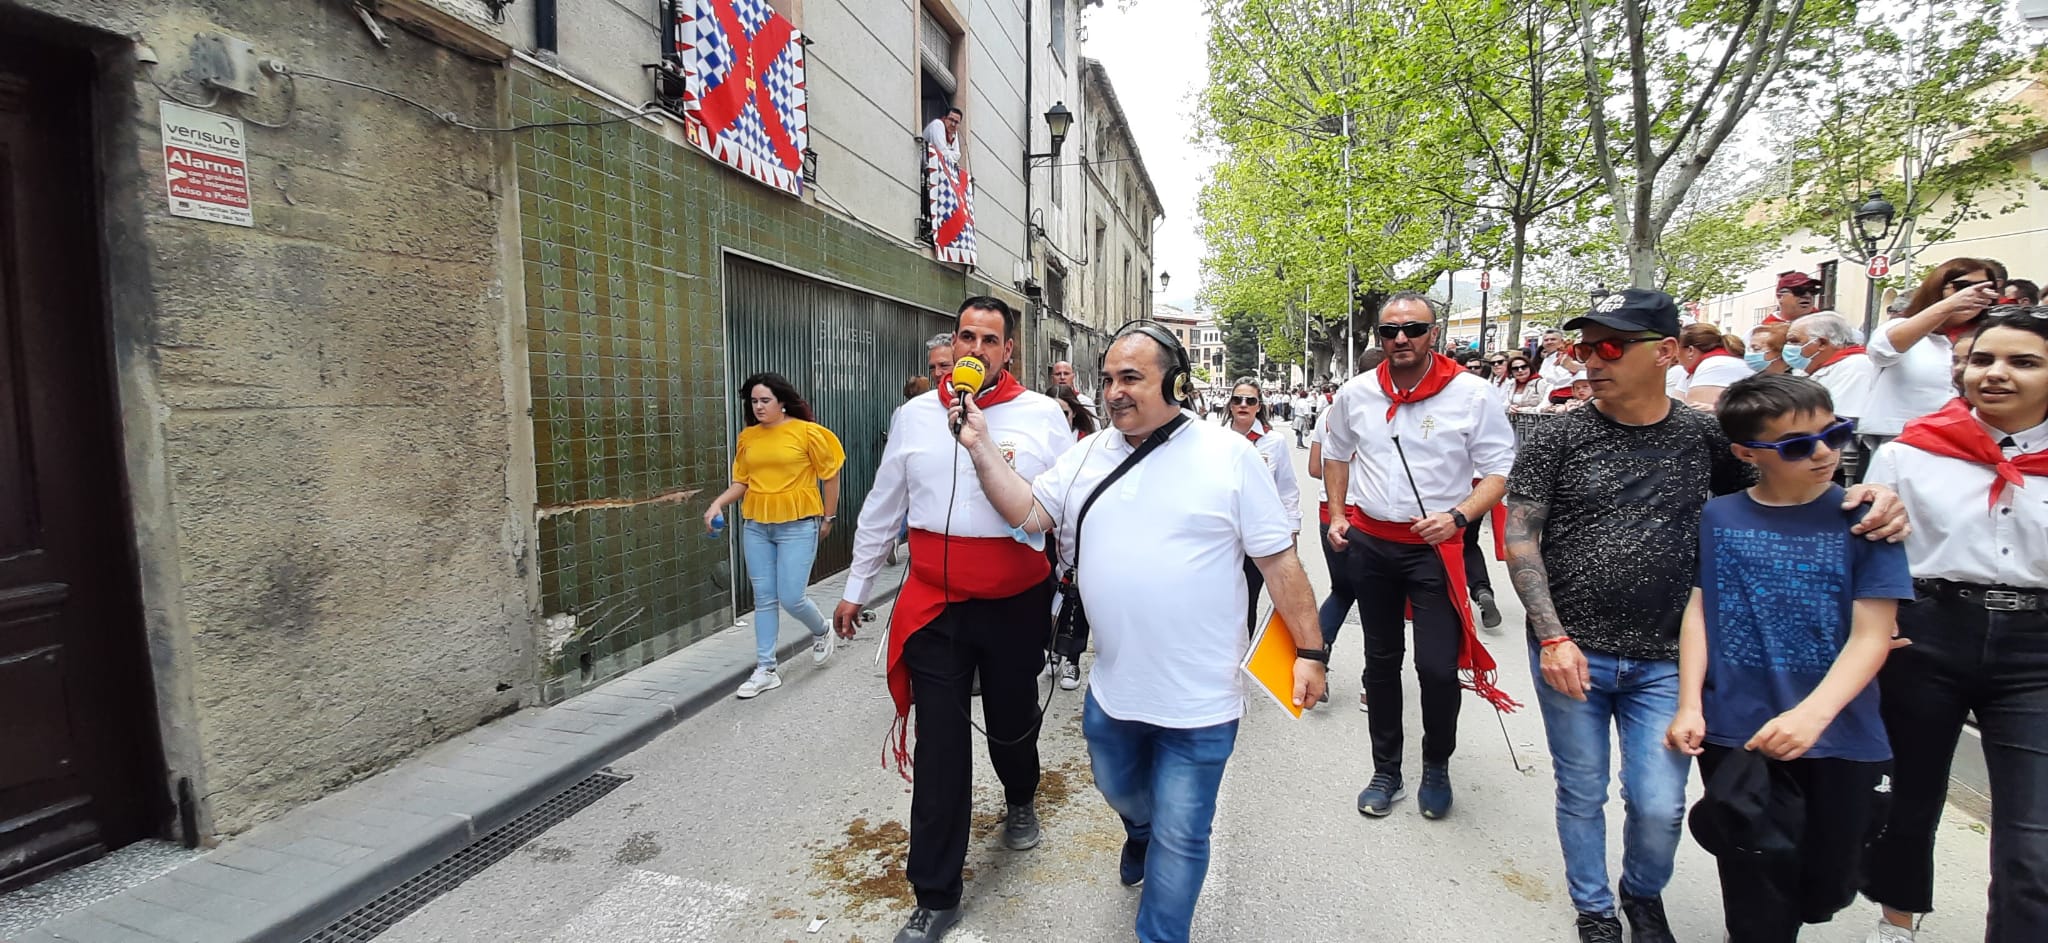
column 946, row 569
column 1477, row 671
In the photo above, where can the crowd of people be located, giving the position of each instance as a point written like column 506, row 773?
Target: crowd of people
column 1798, row 558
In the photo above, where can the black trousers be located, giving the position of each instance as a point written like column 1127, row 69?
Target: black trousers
column 1388, row 577
column 1005, row 640
column 1767, row 899
column 1476, row 577
column 1342, row 597
column 1254, row 580
column 1966, row 659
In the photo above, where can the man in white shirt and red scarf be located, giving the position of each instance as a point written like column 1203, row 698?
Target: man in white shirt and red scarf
column 976, row 599
column 1403, row 446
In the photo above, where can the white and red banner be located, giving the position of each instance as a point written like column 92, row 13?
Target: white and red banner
column 951, row 207
column 743, row 98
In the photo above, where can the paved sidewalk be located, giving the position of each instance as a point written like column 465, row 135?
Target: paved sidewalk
column 287, row 878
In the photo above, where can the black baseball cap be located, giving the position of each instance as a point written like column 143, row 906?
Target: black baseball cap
column 1753, row 806
column 1632, row 309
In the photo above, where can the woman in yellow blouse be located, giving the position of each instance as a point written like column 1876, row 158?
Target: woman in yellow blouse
column 783, row 459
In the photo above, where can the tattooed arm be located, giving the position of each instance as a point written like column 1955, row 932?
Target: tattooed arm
column 1564, row 666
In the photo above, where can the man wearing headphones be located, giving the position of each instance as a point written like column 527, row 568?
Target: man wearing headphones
column 1155, row 516
column 975, row 599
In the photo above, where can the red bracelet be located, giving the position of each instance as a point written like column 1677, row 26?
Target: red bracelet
column 1548, row 642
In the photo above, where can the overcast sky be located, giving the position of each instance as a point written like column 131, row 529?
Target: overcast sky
column 1156, row 55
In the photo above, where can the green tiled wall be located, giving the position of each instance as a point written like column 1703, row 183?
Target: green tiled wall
column 622, row 235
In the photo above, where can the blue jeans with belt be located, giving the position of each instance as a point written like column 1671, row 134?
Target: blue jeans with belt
column 1639, row 697
column 1162, row 781
column 779, row 565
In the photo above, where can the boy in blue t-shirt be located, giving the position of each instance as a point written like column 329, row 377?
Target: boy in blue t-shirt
column 1790, row 619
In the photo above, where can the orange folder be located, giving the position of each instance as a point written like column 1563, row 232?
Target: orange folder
column 1270, row 662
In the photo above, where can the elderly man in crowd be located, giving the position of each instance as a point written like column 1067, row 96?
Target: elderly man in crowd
column 1826, row 348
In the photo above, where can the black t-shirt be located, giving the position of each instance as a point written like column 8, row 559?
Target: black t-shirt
column 1621, row 541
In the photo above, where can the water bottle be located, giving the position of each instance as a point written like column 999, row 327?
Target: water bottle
column 717, row 527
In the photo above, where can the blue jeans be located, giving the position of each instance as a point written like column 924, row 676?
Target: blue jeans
column 1162, row 781
column 1640, row 698
column 779, row 565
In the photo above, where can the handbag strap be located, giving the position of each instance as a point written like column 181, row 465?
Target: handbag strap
column 1153, row 441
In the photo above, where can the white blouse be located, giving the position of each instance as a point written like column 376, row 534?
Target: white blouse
column 1958, row 536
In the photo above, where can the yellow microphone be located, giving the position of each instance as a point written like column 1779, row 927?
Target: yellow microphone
column 968, row 375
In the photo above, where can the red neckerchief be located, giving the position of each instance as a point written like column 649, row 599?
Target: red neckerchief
column 1005, row 389
column 1775, row 318
column 1477, row 671
column 1954, row 432
column 1840, row 355
column 1254, row 434
column 1442, row 370
column 1716, row 352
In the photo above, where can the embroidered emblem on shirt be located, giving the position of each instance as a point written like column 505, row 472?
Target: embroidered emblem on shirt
column 1009, row 450
column 1428, row 426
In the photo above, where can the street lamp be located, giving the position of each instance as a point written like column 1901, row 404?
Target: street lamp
column 1873, row 224
column 1164, row 277
column 1058, row 121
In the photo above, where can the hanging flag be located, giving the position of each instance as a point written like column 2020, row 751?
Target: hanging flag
column 743, row 96
column 952, row 207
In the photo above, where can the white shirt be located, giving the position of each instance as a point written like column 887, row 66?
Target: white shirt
column 1848, row 381
column 1273, row 451
column 1719, row 371
column 1553, row 372
column 1303, row 406
column 935, row 133
column 1958, row 536
column 921, row 467
column 1910, row 383
column 1315, row 437
column 1676, row 380
column 1450, row 439
column 1162, row 568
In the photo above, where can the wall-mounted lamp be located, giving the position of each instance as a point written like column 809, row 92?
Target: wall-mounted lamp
column 1058, row 121
column 810, row 165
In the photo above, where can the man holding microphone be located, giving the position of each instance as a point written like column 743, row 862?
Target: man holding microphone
column 976, row 600
column 1155, row 516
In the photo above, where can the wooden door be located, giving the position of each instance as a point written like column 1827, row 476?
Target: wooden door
column 80, row 765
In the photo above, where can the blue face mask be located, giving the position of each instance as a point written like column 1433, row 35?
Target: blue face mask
column 1796, row 358
column 1756, row 361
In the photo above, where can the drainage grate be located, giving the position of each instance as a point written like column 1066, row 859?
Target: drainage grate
column 377, row 916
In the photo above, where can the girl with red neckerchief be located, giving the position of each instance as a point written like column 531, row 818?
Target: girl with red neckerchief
column 1247, row 416
column 1974, row 479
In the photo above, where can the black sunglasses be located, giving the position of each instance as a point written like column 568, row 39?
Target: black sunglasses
column 2016, row 312
column 1244, row 401
column 1801, row 446
column 1519, row 367
column 1411, row 330
column 1960, row 285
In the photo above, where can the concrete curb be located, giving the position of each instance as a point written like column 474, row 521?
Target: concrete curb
column 291, row 877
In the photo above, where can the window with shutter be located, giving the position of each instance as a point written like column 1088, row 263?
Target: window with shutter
column 935, row 50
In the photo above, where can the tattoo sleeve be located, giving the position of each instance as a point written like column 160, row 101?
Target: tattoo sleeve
column 1524, row 540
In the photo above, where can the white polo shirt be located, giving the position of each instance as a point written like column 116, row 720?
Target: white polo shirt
column 1450, row 439
column 921, row 467
column 1162, row 567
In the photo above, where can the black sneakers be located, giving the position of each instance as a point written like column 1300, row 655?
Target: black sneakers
column 1646, row 920
column 1489, row 611
column 927, row 926
column 1020, row 828
column 1593, row 928
column 1130, row 866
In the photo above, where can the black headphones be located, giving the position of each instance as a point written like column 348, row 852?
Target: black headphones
column 1174, row 386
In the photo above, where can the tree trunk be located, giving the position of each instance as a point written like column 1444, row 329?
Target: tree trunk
column 1517, row 253
column 1642, row 256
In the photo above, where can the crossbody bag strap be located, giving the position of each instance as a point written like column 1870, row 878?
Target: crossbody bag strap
column 1155, row 440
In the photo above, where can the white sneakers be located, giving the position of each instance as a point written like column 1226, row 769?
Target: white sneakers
column 1070, row 676
column 763, row 679
column 821, row 647
column 1888, row 932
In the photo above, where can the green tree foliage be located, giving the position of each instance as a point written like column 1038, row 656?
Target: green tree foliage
column 1935, row 102
column 1668, row 82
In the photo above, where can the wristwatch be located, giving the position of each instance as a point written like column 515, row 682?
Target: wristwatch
column 1457, row 517
column 1313, row 654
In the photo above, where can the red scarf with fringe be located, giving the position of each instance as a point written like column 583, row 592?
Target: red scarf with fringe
column 1477, row 671
column 987, row 568
column 1954, row 432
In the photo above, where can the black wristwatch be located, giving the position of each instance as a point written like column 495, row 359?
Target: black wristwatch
column 1313, row 654
column 1458, row 517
